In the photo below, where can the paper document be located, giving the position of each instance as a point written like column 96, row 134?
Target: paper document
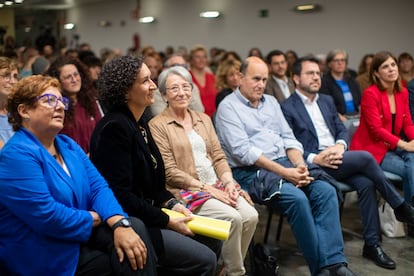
column 210, row 227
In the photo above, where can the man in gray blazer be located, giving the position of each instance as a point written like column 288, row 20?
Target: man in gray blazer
column 278, row 85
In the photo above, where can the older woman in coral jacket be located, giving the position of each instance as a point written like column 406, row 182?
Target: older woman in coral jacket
column 386, row 128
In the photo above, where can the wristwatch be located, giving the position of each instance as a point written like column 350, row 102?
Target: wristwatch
column 123, row 222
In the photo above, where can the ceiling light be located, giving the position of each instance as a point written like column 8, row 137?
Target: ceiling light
column 69, row 26
column 18, row 1
column 210, row 14
column 8, row 3
column 104, row 23
column 307, row 7
column 1, row 5
column 146, row 19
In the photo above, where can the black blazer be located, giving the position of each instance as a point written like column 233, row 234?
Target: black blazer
column 330, row 87
column 133, row 169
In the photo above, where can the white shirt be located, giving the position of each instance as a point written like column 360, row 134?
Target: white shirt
column 325, row 137
column 283, row 84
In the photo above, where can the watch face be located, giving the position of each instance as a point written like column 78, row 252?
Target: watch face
column 125, row 222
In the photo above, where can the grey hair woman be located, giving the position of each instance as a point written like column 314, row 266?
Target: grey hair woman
column 196, row 167
column 123, row 150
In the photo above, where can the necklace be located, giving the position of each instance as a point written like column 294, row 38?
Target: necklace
column 144, row 134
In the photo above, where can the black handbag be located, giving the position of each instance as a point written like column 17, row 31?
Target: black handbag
column 265, row 260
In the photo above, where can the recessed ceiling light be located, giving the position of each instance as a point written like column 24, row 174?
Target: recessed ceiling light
column 8, row 3
column 146, row 19
column 210, row 14
column 307, row 7
column 69, row 26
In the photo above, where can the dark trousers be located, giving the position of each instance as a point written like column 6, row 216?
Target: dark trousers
column 98, row 256
column 187, row 256
column 360, row 170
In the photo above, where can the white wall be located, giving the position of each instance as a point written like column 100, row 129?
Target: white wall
column 358, row 26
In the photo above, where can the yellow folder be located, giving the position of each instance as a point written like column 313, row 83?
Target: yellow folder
column 210, row 227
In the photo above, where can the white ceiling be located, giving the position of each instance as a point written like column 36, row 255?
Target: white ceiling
column 53, row 5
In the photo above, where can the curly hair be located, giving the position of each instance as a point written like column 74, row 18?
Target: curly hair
column 87, row 94
column 25, row 92
column 9, row 64
column 116, row 79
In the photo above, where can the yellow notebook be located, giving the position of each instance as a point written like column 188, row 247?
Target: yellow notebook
column 210, row 227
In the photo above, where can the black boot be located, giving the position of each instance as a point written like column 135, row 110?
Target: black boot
column 405, row 213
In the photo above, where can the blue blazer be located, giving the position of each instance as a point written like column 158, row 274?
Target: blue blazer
column 299, row 120
column 43, row 211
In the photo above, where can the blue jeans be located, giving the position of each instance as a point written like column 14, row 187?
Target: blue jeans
column 401, row 162
column 313, row 215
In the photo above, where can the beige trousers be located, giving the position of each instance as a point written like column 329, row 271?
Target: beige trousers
column 243, row 219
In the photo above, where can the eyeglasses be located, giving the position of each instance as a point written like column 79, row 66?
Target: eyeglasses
column 51, row 100
column 8, row 77
column 187, row 87
column 313, row 73
column 338, row 60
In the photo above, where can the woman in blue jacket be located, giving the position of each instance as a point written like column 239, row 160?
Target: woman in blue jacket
column 56, row 210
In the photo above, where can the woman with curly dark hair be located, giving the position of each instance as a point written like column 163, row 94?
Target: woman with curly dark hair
column 123, row 150
column 84, row 111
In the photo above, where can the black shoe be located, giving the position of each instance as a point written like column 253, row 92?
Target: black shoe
column 378, row 256
column 405, row 213
column 340, row 269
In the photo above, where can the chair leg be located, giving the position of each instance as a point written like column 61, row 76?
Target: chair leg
column 341, row 207
column 279, row 227
column 269, row 222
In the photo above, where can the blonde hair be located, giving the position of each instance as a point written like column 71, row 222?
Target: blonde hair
column 223, row 69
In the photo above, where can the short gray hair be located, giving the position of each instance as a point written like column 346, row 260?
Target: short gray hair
column 331, row 55
column 175, row 70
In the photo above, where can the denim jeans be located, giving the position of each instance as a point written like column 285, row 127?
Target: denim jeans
column 401, row 162
column 313, row 215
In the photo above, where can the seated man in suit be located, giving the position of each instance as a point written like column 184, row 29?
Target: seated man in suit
column 259, row 143
column 279, row 85
column 316, row 124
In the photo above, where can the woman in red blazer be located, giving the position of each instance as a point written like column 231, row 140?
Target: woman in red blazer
column 386, row 128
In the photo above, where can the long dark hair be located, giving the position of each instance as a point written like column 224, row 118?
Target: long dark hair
column 87, row 95
column 378, row 59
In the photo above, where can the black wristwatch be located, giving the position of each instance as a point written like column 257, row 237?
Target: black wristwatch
column 123, row 222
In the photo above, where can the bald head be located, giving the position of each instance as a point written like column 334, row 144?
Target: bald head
column 250, row 60
column 255, row 73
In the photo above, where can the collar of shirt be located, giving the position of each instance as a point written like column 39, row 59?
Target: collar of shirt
column 280, row 81
column 305, row 99
column 245, row 101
